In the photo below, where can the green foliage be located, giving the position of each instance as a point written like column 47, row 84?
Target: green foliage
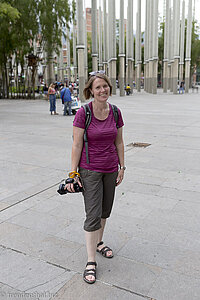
column 73, row 11
column 89, row 51
column 26, row 28
column 53, row 18
column 142, row 52
column 161, row 42
column 25, row 22
column 9, row 12
column 71, row 49
column 8, row 18
column 161, row 48
column 195, row 49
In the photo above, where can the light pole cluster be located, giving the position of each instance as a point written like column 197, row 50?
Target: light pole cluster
column 104, row 56
column 174, row 43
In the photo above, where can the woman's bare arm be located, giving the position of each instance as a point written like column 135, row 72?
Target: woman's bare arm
column 77, row 147
column 119, row 143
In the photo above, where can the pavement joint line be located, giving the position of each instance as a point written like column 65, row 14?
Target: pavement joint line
column 10, row 287
column 58, row 266
column 38, row 258
column 27, row 198
column 69, row 270
column 39, row 285
column 134, row 293
column 15, row 250
column 120, row 288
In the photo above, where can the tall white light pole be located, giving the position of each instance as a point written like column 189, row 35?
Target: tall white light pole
column 166, row 48
column 155, row 47
column 100, row 37
column 181, row 63
column 85, row 40
column 171, row 51
column 112, row 44
column 105, row 38
column 121, row 49
column 188, row 47
column 68, row 57
column 129, row 37
column 146, row 48
column 138, row 47
column 150, row 33
column 94, row 36
column 176, row 16
column 80, row 47
column 74, row 50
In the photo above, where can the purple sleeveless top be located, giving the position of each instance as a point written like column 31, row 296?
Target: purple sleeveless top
column 101, row 135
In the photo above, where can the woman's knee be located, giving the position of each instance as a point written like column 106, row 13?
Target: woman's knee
column 92, row 223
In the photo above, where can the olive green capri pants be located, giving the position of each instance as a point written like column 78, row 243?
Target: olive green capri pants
column 99, row 191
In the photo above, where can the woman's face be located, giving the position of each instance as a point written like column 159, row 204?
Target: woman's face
column 100, row 89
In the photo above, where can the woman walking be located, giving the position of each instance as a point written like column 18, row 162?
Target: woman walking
column 101, row 167
column 52, row 99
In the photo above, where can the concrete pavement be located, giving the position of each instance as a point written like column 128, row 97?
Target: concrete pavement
column 154, row 229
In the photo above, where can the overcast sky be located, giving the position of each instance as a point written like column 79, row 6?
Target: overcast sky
column 197, row 9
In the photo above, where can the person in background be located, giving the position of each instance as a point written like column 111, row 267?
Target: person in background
column 128, row 89
column 45, row 91
column 65, row 95
column 52, row 99
column 181, row 88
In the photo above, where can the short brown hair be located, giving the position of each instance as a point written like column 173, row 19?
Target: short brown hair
column 87, row 90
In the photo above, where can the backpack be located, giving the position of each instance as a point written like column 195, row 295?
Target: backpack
column 88, row 118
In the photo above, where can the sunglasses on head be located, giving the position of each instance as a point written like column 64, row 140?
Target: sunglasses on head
column 96, row 72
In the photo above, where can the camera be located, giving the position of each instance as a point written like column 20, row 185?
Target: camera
column 62, row 191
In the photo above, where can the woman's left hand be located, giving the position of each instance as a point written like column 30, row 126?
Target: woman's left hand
column 120, row 177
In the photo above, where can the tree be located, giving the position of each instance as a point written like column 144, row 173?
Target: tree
column 25, row 33
column 54, row 16
column 89, row 50
column 24, row 23
column 18, row 35
column 73, row 11
column 195, row 49
column 6, row 10
column 161, row 51
column 8, row 18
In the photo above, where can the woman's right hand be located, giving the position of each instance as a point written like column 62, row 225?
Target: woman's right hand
column 70, row 186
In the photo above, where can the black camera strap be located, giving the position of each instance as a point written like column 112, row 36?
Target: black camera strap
column 88, row 118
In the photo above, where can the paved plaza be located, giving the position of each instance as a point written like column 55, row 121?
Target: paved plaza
column 154, row 229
